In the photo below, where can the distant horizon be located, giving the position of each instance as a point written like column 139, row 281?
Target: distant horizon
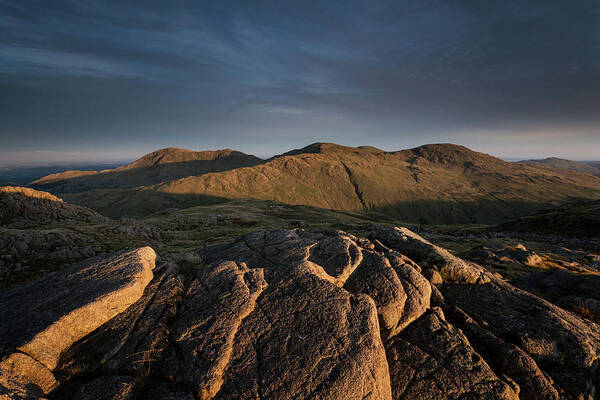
column 107, row 160
column 101, row 81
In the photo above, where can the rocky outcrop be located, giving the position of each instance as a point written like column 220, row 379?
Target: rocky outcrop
column 451, row 268
column 133, row 341
column 27, row 253
column 562, row 344
column 315, row 315
column 24, row 251
column 24, row 207
column 43, row 319
column 515, row 255
column 203, row 344
column 431, row 359
column 307, row 339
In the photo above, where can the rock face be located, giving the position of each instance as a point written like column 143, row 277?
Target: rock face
column 302, row 315
column 22, row 207
column 203, row 344
column 43, row 319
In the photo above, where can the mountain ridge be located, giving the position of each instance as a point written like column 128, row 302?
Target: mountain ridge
column 338, row 177
column 561, row 163
column 439, row 183
column 152, row 168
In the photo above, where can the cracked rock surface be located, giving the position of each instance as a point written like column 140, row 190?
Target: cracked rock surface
column 302, row 315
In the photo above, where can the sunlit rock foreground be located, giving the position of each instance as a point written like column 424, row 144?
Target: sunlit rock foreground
column 292, row 315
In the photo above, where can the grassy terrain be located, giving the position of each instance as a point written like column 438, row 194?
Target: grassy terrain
column 183, row 231
column 581, row 219
column 137, row 203
column 193, row 227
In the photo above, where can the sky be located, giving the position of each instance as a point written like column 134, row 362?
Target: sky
column 109, row 80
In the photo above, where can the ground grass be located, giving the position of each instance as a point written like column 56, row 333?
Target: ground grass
column 194, row 227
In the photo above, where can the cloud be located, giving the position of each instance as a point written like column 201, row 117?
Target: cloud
column 89, row 72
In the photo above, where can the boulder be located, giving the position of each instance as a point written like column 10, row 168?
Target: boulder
column 133, row 341
column 416, row 287
column 238, row 338
column 338, row 255
column 506, row 358
column 44, row 318
column 376, row 278
column 400, row 292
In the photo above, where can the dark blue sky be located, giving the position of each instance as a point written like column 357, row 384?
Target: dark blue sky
column 95, row 80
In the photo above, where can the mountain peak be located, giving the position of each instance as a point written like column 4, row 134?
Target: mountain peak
column 174, row 154
column 446, row 148
column 448, row 153
column 327, row 147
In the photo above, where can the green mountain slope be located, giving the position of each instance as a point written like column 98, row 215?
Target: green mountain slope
column 439, row 183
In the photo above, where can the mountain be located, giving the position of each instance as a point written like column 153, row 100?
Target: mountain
column 553, row 162
column 159, row 166
column 21, row 176
column 432, row 184
column 437, row 183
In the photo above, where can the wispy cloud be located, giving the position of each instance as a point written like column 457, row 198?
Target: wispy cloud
column 398, row 72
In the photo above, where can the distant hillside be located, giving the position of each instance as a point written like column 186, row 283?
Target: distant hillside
column 581, row 219
column 25, row 206
column 21, row 176
column 438, row 183
column 553, row 162
column 159, row 166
